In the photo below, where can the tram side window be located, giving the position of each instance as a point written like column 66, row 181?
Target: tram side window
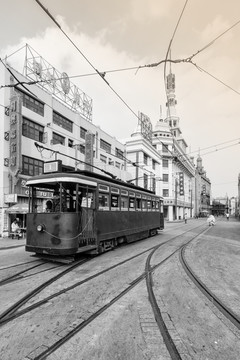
column 114, row 202
column 87, row 199
column 138, row 204
column 157, row 205
column 144, row 205
column 103, row 201
column 149, row 205
column 131, row 203
column 124, row 203
column 153, row 205
column 59, row 202
column 161, row 207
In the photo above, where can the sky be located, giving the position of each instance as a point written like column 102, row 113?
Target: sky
column 112, row 35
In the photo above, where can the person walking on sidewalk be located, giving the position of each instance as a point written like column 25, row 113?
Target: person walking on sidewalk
column 227, row 216
column 185, row 218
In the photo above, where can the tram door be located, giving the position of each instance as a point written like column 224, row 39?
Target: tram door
column 87, row 200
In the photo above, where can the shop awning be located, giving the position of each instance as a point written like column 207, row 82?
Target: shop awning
column 18, row 209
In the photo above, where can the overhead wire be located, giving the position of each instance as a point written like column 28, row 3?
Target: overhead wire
column 166, row 58
column 212, row 146
column 215, row 78
column 102, row 74
column 88, row 61
column 216, row 38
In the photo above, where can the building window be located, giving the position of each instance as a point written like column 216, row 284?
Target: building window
column 103, row 158
column 62, row 121
column 165, row 163
column 164, row 148
column 32, row 130
column 153, row 184
column 119, row 153
column 145, row 158
column 153, row 164
column 117, row 164
column 165, row 177
column 58, row 139
column 31, row 103
column 145, row 181
column 165, row 193
column 31, row 166
column 70, row 143
column 83, row 133
column 105, row 146
column 82, row 149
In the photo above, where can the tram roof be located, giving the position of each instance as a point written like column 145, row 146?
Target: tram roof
column 82, row 177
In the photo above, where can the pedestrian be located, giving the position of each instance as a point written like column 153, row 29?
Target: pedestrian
column 227, row 216
column 185, row 218
column 211, row 220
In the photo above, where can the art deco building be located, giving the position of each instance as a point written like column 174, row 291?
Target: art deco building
column 178, row 169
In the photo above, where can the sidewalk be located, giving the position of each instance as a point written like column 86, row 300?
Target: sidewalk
column 8, row 243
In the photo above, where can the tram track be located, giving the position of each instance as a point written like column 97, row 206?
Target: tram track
column 12, row 312
column 80, row 324
column 18, row 264
column 18, row 276
column 12, row 309
column 169, row 342
column 225, row 310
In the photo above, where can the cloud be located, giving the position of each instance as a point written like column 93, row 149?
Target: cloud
column 144, row 10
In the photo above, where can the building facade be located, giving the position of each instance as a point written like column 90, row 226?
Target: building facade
column 178, row 169
column 203, row 205
column 40, row 124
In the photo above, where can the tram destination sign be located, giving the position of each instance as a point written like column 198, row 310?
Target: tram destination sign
column 52, row 166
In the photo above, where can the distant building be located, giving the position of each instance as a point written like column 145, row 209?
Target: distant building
column 178, row 170
column 202, row 190
column 238, row 199
column 220, row 206
column 144, row 162
column 161, row 161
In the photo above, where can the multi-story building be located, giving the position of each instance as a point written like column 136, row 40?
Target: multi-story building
column 48, row 119
column 178, row 169
column 161, row 159
column 220, row 206
column 203, row 190
column 144, row 162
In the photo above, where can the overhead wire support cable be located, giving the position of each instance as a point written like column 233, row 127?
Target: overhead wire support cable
column 211, row 42
column 19, row 82
column 76, row 47
column 169, row 48
column 41, row 148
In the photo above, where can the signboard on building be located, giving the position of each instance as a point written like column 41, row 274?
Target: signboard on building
column 10, row 198
column 15, row 137
column 171, row 82
column 181, row 183
column 52, row 166
column 89, row 151
column 57, row 83
column 204, row 189
column 146, row 126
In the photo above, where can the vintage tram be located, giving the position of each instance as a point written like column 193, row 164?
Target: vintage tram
column 88, row 212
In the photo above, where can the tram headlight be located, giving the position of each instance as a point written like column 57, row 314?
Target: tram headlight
column 40, row 228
